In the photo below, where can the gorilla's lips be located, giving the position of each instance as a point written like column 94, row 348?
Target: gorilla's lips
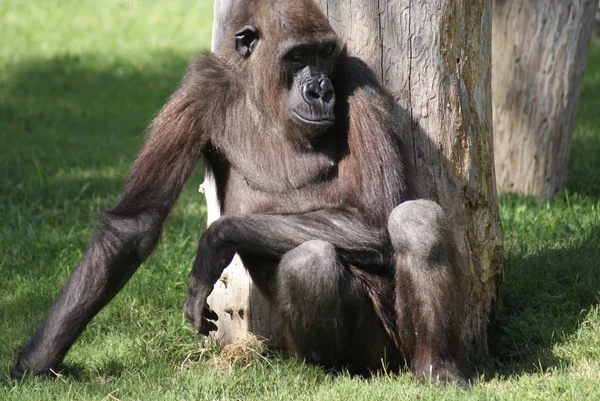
column 325, row 121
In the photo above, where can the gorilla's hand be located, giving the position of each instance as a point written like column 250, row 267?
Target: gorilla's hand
column 197, row 310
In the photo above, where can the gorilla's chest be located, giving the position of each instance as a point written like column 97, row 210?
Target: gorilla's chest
column 242, row 197
column 279, row 167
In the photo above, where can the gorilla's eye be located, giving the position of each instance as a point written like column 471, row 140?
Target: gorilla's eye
column 296, row 58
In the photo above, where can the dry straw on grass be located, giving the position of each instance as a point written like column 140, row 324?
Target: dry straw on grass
column 242, row 353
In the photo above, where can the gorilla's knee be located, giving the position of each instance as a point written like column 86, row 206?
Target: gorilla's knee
column 420, row 229
column 311, row 268
column 309, row 258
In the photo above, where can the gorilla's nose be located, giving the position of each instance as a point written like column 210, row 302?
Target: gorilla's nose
column 319, row 89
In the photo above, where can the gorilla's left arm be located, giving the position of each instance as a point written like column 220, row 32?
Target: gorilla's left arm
column 356, row 242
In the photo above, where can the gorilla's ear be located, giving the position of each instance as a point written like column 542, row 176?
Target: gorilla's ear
column 246, row 40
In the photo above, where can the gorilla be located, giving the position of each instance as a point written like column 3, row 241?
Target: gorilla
column 317, row 197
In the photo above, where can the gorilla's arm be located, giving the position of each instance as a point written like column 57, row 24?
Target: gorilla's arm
column 272, row 236
column 129, row 232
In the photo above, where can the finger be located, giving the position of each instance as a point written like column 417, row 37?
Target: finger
column 198, row 325
column 198, row 312
column 210, row 314
column 207, row 327
column 198, row 329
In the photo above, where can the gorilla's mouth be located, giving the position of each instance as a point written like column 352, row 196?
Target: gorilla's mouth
column 321, row 122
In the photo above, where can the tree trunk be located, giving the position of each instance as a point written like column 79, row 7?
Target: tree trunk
column 434, row 57
column 539, row 56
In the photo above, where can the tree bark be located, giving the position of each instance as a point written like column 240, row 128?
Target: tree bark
column 434, row 57
column 539, row 56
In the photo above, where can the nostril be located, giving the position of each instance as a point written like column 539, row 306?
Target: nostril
column 328, row 96
column 319, row 90
column 313, row 94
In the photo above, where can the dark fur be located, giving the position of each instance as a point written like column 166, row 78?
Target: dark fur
column 309, row 211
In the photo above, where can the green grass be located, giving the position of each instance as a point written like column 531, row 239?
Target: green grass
column 80, row 80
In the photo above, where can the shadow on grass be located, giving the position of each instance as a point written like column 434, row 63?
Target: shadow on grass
column 545, row 298
column 548, row 292
column 71, row 126
column 79, row 113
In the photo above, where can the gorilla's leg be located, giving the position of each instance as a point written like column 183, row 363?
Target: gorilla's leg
column 328, row 318
column 313, row 292
column 429, row 300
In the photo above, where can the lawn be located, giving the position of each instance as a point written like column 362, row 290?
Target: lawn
column 80, row 80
